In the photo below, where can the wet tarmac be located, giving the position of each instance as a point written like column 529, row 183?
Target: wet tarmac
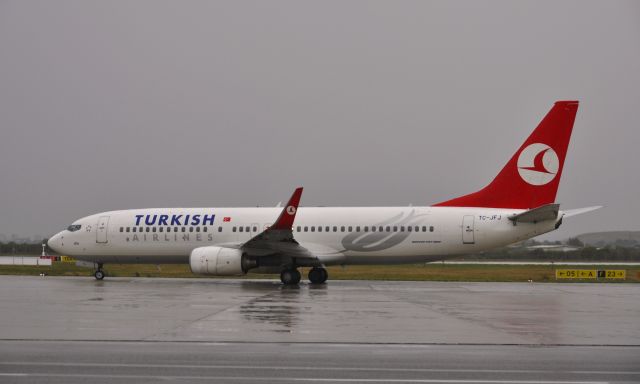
column 76, row 329
column 152, row 362
column 78, row 308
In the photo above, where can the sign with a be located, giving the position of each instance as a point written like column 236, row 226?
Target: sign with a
column 576, row 274
column 590, row 274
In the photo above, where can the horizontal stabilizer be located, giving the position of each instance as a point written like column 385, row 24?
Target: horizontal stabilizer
column 578, row 211
column 542, row 213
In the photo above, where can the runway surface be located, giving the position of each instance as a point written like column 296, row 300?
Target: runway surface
column 57, row 329
column 81, row 362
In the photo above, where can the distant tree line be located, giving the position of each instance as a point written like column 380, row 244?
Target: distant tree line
column 581, row 254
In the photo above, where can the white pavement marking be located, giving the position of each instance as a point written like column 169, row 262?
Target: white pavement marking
column 296, row 379
column 506, row 262
column 306, row 368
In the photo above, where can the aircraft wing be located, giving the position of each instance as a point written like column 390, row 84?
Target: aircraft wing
column 278, row 238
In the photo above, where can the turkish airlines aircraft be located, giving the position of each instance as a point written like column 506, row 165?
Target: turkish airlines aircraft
column 517, row 205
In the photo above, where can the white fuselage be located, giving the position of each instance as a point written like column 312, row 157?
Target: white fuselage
column 340, row 235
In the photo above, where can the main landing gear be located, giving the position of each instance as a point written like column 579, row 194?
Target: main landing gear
column 99, row 274
column 291, row 276
column 318, row 275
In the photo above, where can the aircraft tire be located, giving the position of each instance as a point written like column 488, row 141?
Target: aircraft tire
column 318, row 275
column 99, row 274
column 290, row 277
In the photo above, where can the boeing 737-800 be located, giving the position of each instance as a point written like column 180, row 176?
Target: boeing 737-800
column 517, row 205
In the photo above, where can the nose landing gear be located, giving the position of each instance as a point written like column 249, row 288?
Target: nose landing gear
column 99, row 273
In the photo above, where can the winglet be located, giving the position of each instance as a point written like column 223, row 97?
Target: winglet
column 288, row 214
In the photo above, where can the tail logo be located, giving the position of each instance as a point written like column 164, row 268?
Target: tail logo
column 538, row 164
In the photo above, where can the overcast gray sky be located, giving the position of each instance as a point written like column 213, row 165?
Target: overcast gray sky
column 130, row 104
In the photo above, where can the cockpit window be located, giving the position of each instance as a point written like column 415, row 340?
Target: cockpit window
column 73, row 228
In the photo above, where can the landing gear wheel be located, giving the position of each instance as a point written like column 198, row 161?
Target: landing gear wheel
column 290, row 277
column 318, row 275
column 99, row 274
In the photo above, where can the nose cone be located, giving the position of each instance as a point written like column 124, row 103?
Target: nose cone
column 55, row 242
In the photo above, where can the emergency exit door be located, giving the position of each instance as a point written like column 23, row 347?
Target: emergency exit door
column 468, row 230
column 103, row 229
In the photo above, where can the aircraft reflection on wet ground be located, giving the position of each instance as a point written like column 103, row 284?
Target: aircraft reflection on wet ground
column 344, row 311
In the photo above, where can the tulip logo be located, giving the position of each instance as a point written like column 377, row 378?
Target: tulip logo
column 538, row 164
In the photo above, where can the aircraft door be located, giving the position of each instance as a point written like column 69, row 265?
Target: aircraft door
column 103, row 229
column 468, row 230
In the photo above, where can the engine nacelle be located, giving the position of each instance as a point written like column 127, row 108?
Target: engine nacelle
column 219, row 261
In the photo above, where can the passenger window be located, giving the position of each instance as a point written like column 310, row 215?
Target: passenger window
column 395, row 229
column 197, row 229
column 241, row 229
column 358, row 228
column 306, row 229
column 431, row 228
column 127, row 229
column 342, row 229
column 402, row 228
column 380, row 229
column 133, row 229
column 366, row 228
column 335, row 229
column 233, row 229
column 373, row 228
column 409, row 228
column 148, row 229
column 350, row 229
column 424, row 228
column 320, row 228
column 205, row 229
column 313, row 228
column 247, row 229
column 121, row 229
column 298, row 228
column 417, row 229
column 219, row 229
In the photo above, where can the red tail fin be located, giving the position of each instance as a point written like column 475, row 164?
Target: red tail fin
column 530, row 179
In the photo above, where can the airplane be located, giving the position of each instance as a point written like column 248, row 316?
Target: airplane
column 517, row 205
